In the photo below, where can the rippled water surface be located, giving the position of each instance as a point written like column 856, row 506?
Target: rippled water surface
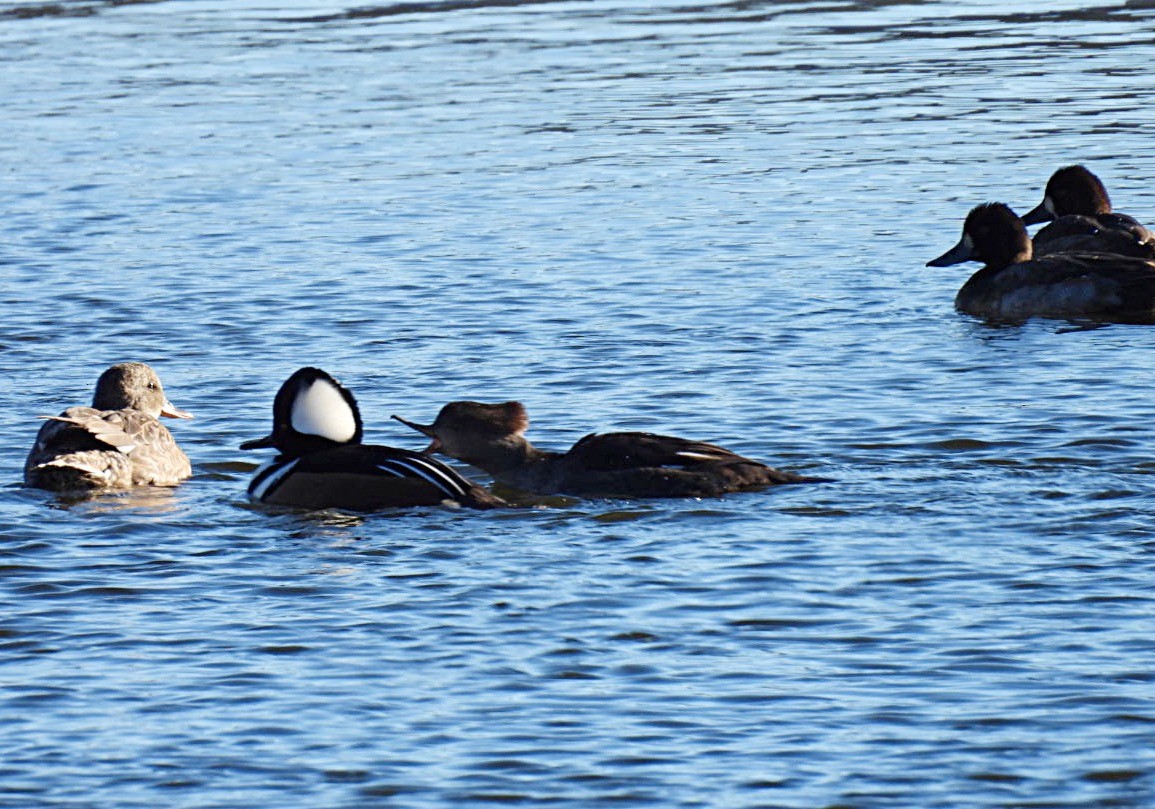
column 706, row 219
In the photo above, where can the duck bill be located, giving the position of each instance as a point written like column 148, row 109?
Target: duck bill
column 418, row 427
column 963, row 251
column 1040, row 213
column 424, row 430
column 173, row 412
column 260, row 443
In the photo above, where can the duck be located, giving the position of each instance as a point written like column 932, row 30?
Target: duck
column 628, row 465
column 1015, row 285
column 322, row 464
column 117, row 443
column 1076, row 204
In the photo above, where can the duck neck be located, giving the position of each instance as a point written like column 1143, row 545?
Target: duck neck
column 509, row 456
column 1013, row 254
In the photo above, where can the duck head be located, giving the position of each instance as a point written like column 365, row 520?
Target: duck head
column 134, row 385
column 992, row 234
column 1071, row 190
column 312, row 411
column 475, row 432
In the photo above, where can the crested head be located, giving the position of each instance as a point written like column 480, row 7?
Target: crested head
column 134, row 385
column 311, row 411
column 478, row 418
column 488, row 436
column 320, row 405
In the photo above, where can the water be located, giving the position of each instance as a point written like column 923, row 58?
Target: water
column 705, row 219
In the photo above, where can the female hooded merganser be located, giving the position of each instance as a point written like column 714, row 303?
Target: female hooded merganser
column 1014, row 286
column 1076, row 204
column 115, row 444
column 323, row 464
column 490, row 437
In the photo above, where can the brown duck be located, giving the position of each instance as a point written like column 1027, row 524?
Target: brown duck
column 1014, row 285
column 631, row 465
column 1076, row 204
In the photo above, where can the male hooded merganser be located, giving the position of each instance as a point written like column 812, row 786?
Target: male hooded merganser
column 1014, row 286
column 1076, row 204
column 115, row 444
column 633, row 465
column 323, row 464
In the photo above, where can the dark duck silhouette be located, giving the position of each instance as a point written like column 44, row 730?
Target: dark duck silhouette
column 629, row 465
column 1014, row 285
column 1077, row 206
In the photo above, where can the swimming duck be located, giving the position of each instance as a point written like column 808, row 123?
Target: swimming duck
column 115, row 444
column 323, row 464
column 1076, row 204
column 633, row 465
column 1014, row 286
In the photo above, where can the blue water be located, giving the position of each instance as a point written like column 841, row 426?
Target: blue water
column 703, row 219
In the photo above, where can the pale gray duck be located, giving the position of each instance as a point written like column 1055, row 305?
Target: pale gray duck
column 117, row 443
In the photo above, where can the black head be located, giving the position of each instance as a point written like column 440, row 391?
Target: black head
column 992, row 234
column 1071, row 190
column 312, row 411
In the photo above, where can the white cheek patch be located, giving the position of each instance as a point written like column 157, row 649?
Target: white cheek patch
column 969, row 242
column 321, row 410
column 1049, row 204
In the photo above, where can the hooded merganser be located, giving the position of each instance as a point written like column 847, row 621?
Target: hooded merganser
column 633, row 465
column 1076, row 204
column 1014, row 286
column 115, row 444
column 323, row 464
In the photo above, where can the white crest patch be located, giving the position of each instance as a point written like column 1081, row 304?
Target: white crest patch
column 321, row 410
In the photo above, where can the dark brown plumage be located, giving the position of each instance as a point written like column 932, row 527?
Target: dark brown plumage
column 1077, row 206
column 1014, row 285
column 633, row 465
